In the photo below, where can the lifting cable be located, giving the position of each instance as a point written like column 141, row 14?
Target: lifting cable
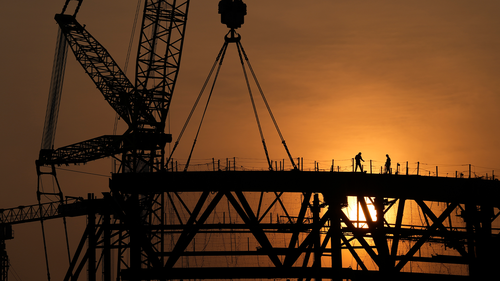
column 219, row 59
column 240, row 49
column 55, row 91
column 220, row 56
column 49, row 131
column 266, row 103
column 222, row 53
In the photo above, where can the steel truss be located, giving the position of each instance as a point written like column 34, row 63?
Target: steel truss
column 223, row 230
column 155, row 225
column 143, row 105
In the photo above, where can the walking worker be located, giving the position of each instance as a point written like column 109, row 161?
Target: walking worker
column 388, row 164
column 358, row 162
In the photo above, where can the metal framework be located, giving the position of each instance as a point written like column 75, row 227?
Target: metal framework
column 263, row 225
column 143, row 106
column 159, row 225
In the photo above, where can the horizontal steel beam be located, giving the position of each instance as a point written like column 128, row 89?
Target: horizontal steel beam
column 283, row 272
column 333, row 185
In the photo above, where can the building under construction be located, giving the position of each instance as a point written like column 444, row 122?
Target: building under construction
column 157, row 222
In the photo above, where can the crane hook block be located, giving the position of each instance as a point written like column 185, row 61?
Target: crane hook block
column 232, row 13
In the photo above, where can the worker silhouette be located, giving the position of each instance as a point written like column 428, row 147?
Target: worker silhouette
column 358, row 162
column 388, row 164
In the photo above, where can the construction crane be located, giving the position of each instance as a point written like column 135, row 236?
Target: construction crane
column 153, row 241
column 142, row 103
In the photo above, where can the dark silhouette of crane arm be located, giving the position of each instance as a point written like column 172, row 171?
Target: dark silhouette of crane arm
column 100, row 147
column 143, row 106
column 159, row 57
column 82, row 152
column 116, row 88
column 45, row 211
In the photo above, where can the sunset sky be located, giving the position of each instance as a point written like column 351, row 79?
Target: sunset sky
column 418, row 80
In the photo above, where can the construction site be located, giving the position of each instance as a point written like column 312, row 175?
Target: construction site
column 168, row 217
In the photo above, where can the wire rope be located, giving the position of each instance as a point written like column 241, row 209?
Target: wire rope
column 224, row 47
column 239, row 47
column 50, row 126
column 221, row 52
column 268, row 107
column 85, row 173
column 219, row 59
column 14, row 272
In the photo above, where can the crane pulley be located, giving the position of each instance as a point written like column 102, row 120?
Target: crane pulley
column 232, row 13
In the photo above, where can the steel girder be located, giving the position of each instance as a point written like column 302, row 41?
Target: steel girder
column 296, row 235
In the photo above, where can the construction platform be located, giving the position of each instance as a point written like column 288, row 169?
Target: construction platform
column 439, row 189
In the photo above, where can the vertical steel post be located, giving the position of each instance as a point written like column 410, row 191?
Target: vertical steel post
column 317, row 241
column 92, row 239
column 106, row 269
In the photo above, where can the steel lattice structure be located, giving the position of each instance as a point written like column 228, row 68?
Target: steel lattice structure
column 263, row 225
column 155, row 224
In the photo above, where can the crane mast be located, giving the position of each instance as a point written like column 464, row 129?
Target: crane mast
column 144, row 105
column 158, row 57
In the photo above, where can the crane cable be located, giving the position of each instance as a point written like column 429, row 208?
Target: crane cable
column 220, row 59
column 240, row 49
column 219, row 56
column 48, row 135
column 51, row 118
column 267, row 105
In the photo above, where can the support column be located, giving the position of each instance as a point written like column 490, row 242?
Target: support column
column 469, row 215
column 336, row 238
column 91, row 250
column 486, row 246
column 106, row 270
column 315, row 209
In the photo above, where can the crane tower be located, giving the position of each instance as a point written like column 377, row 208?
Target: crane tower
column 158, row 224
column 142, row 103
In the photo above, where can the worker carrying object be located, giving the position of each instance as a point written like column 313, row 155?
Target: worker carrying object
column 232, row 13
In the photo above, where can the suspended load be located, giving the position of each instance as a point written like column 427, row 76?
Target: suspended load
column 232, row 13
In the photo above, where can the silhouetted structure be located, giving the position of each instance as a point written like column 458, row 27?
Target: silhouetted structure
column 157, row 224
column 252, row 225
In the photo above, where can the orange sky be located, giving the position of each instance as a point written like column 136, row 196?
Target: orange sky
column 415, row 79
